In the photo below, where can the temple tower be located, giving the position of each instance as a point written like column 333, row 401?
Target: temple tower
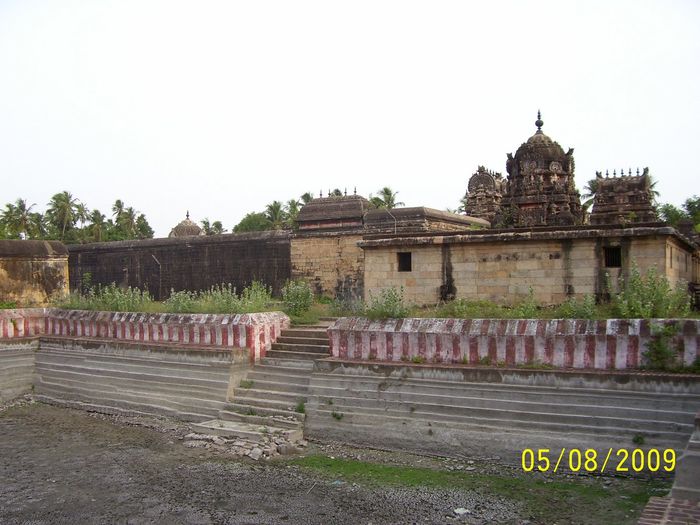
column 541, row 190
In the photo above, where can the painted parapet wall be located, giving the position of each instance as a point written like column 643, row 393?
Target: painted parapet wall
column 256, row 332
column 567, row 343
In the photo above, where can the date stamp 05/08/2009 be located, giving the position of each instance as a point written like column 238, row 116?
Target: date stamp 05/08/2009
column 590, row 460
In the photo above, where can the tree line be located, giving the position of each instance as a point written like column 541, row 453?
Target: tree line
column 69, row 220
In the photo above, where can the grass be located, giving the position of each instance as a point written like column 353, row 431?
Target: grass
column 246, row 383
column 544, row 501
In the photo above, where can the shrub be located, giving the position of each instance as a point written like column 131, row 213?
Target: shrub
column 573, row 309
column 388, row 305
column 347, row 308
column 7, row 305
column 181, row 302
column 297, row 296
column 109, row 298
column 650, row 296
column 255, row 298
column 659, row 354
column 527, row 308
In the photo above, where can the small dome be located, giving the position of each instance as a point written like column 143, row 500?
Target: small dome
column 540, row 146
column 186, row 228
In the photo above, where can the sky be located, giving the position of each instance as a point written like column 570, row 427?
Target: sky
column 220, row 108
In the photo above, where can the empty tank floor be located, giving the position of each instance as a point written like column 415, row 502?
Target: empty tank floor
column 60, row 465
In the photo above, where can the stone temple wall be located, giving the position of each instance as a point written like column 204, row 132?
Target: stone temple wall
column 32, row 272
column 190, row 263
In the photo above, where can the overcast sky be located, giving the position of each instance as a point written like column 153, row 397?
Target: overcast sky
column 222, row 107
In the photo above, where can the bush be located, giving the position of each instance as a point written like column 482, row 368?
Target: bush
column 109, row 298
column 7, row 305
column 527, row 308
column 388, row 305
column 659, row 354
column 650, row 296
column 297, row 296
column 347, row 308
column 573, row 309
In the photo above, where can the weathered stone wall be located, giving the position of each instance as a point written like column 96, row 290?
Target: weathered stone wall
column 465, row 410
column 616, row 344
column 32, row 272
column 332, row 263
column 189, row 263
column 502, row 267
column 17, row 367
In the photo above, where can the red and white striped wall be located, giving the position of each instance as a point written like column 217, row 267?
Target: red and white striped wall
column 562, row 343
column 256, row 332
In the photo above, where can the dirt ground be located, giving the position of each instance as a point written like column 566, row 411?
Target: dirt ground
column 60, row 465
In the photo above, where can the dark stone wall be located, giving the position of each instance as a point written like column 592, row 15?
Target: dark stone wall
column 186, row 263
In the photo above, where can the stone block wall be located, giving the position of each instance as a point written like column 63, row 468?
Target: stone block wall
column 563, row 343
column 32, row 273
column 332, row 263
column 502, row 267
column 17, row 362
column 187, row 263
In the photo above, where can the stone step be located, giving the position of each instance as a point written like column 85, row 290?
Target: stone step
column 121, row 380
column 301, row 364
column 270, row 398
column 257, row 418
column 171, row 398
column 123, row 402
column 294, row 347
column 458, row 389
column 316, row 333
column 374, row 420
column 277, row 386
column 484, row 400
column 456, row 413
column 282, row 374
column 120, row 364
column 111, row 409
column 286, row 354
column 238, row 429
column 244, row 406
column 320, row 341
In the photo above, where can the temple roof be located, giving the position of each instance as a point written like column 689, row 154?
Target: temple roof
column 540, row 146
column 186, row 228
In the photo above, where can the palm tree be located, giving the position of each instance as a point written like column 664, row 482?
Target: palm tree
column 590, row 189
column 117, row 209
column 386, row 199
column 275, row 214
column 17, row 217
column 306, row 198
column 127, row 222
column 62, row 212
column 97, row 225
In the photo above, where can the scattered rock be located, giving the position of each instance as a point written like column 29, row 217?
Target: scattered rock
column 255, row 453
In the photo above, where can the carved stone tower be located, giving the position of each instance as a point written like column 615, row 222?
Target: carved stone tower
column 541, row 190
column 623, row 200
column 484, row 194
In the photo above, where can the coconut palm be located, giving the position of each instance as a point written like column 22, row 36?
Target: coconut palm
column 385, row 199
column 62, row 212
column 97, row 225
column 275, row 214
column 17, row 217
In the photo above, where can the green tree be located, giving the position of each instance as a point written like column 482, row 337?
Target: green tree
column 276, row 215
column 253, row 222
column 143, row 229
column 62, row 214
column 17, row 218
column 306, row 198
column 214, row 228
column 589, row 191
column 385, row 199
column 672, row 214
column 97, row 226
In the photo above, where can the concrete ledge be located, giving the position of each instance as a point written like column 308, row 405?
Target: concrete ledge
column 613, row 344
